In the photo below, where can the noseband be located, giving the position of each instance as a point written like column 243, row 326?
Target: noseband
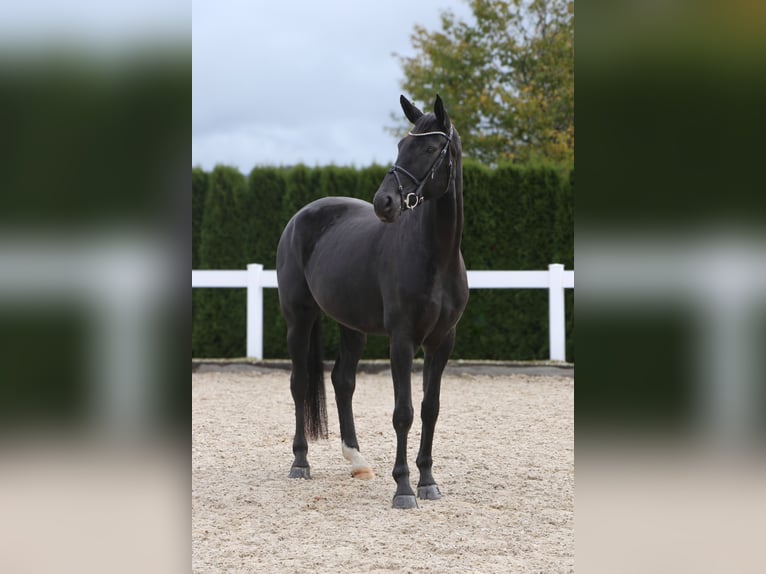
column 415, row 198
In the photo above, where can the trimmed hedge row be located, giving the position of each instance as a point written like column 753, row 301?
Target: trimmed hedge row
column 515, row 218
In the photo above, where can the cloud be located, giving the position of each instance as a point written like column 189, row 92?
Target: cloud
column 282, row 83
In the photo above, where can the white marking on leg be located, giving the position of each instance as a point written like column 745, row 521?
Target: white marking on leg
column 359, row 467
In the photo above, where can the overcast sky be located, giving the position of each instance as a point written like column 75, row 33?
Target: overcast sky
column 283, row 82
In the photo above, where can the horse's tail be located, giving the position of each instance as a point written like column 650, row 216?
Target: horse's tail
column 315, row 406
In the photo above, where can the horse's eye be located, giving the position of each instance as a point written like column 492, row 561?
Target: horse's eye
column 430, row 149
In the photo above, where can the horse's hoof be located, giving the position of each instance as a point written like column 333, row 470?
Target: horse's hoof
column 430, row 492
column 404, row 501
column 363, row 473
column 300, row 472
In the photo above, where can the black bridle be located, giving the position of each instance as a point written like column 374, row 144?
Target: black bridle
column 415, row 198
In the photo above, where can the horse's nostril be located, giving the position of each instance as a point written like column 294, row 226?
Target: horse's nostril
column 385, row 206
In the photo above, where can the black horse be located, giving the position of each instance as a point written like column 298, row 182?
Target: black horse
column 404, row 278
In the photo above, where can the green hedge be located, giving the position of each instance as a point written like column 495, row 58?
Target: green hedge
column 515, row 218
column 218, row 315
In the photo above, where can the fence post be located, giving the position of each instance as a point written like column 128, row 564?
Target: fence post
column 254, row 311
column 556, row 317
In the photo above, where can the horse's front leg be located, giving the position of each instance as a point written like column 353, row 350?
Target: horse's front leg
column 437, row 353
column 402, row 352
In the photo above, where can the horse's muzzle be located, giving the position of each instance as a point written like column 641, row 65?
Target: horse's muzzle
column 387, row 206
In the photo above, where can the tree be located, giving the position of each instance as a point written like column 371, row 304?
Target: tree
column 507, row 78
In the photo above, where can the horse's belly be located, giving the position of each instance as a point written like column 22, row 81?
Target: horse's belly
column 349, row 302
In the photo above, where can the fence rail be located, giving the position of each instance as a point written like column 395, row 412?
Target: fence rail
column 255, row 279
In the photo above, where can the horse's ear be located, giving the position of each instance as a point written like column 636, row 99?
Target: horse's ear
column 413, row 113
column 441, row 113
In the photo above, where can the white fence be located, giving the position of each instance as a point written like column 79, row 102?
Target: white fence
column 255, row 279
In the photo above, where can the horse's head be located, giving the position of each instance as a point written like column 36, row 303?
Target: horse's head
column 425, row 166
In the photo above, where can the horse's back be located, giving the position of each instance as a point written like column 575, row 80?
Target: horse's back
column 333, row 207
column 313, row 221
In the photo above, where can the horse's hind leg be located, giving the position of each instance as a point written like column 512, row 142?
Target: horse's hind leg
column 344, row 382
column 299, row 340
column 436, row 356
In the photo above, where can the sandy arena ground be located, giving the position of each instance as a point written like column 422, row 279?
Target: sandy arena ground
column 503, row 458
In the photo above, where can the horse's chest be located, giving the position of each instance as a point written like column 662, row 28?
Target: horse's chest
column 439, row 307
column 451, row 308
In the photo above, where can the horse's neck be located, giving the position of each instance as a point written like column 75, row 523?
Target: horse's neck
column 443, row 223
